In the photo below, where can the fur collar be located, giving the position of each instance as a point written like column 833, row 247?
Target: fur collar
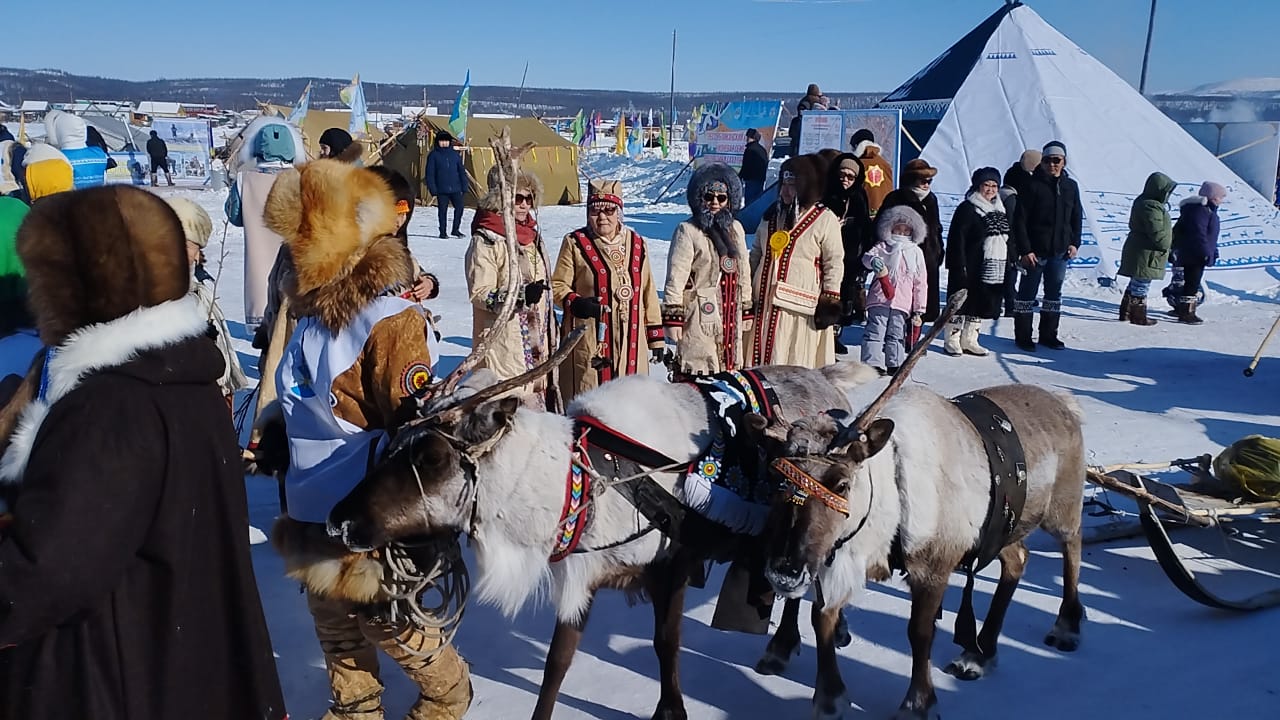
column 383, row 265
column 94, row 348
column 983, row 206
column 1194, row 200
column 867, row 148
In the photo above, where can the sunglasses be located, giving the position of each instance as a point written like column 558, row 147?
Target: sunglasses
column 607, row 210
column 926, row 181
column 715, row 197
column 848, row 175
column 1055, row 160
column 525, row 199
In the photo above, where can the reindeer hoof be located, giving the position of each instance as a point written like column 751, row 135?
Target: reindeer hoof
column 1063, row 640
column 970, row 666
column 665, row 713
column 843, row 637
column 925, row 714
column 830, row 708
column 772, row 664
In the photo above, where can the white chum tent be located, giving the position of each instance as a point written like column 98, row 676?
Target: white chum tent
column 1015, row 82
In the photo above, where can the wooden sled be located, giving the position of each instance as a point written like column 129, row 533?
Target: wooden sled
column 1232, row 562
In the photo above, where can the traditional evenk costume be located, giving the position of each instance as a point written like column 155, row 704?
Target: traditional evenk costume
column 708, row 295
column 530, row 338
column 613, row 272
column 797, row 265
column 358, row 352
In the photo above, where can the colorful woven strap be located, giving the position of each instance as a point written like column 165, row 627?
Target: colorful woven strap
column 803, row 485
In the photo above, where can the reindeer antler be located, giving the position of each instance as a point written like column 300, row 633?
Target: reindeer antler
column 507, row 160
column 868, row 416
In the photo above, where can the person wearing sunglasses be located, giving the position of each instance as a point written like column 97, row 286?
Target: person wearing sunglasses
column 602, row 278
column 1046, row 228
column 847, row 198
column 707, row 309
column 531, row 338
column 916, row 192
column 797, row 266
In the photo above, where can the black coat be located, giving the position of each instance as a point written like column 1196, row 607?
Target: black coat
column 932, row 246
column 755, row 163
column 158, row 150
column 126, row 587
column 857, row 231
column 966, row 239
column 1050, row 217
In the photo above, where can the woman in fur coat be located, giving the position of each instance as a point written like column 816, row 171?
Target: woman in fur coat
column 977, row 255
column 529, row 338
column 797, row 265
column 916, row 193
column 126, row 587
column 346, row 378
column 707, row 312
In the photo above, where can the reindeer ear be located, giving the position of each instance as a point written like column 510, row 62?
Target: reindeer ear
column 488, row 419
column 872, row 441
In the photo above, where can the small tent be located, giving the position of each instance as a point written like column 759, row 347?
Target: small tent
column 553, row 159
column 1015, row 82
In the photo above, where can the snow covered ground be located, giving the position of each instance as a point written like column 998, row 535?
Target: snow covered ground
column 1148, row 652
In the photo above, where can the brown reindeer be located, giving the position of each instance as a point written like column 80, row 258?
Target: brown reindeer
column 859, row 490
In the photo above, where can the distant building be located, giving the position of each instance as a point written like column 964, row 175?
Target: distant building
column 152, row 109
column 34, row 110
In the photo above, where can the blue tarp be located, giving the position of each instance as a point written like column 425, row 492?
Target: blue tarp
column 750, row 215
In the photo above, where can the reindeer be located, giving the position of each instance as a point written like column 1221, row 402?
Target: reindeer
column 478, row 462
column 856, row 487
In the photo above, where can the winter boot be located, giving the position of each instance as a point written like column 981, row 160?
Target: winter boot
column 1187, row 311
column 1049, row 329
column 951, row 345
column 969, row 337
column 1126, row 303
column 1022, row 332
column 154, row 183
column 443, row 679
column 1138, row 313
column 351, row 661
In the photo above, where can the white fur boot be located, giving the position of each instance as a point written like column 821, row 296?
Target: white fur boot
column 969, row 338
column 952, row 344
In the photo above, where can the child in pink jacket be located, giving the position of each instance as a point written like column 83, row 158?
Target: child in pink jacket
column 900, row 290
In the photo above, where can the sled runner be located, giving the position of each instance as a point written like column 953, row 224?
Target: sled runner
column 1232, row 562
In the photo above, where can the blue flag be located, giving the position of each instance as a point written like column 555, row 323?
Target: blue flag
column 458, row 118
column 300, row 110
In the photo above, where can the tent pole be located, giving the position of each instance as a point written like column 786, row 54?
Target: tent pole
column 1146, row 54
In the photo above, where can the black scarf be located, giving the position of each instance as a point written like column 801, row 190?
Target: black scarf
column 718, row 227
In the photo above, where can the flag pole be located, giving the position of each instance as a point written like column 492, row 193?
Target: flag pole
column 1146, row 54
column 520, row 93
column 673, row 84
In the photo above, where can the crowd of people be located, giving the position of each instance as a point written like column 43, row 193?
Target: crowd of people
column 119, row 375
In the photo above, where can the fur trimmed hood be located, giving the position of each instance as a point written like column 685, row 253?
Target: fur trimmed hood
column 99, row 254
column 94, row 348
column 1193, row 200
column 525, row 181
column 711, row 173
column 339, row 223
column 887, row 217
column 867, row 149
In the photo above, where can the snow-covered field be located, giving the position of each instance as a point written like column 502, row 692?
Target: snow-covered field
column 1148, row 652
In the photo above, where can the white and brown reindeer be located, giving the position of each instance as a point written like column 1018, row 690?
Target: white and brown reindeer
column 909, row 485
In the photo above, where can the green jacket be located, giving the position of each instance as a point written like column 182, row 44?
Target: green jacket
column 1146, row 249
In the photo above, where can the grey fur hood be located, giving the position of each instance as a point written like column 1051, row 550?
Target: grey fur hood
column 707, row 174
column 886, row 219
column 526, row 181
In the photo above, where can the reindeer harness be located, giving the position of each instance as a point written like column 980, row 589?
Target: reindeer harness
column 1008, row 467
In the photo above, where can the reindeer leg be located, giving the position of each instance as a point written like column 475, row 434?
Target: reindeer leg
column 830, row 696
column 926, row 601
column 980, row 658
column 564, row 644
column 1066, row 630
column 785, row 643
column 666, row 585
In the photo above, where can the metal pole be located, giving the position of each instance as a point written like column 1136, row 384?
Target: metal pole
column 523, row 77
column 672, row 116
column 1146, row 54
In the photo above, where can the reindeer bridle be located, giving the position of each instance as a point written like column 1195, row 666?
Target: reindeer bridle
column 803, row 486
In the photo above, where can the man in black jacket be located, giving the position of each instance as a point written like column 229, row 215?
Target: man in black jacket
column 755, row 166
column 1047, row 227
column 159, row 153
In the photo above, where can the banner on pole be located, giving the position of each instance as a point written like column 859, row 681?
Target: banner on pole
column 720, row 132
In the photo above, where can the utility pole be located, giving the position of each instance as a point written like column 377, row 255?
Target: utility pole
column 1146, row 54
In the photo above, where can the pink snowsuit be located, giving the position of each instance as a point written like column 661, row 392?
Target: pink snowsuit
column 909, row 280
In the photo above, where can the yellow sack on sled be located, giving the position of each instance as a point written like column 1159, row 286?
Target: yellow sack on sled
column 1251, row 464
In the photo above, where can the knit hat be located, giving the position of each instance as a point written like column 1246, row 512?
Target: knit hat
column 850, row 163
column 1030, row 159
column 982, row 175
column 1055, row 149
column 196, row 224
column 47, row 171
column 861, row 136
column 337, row 139
column 1213, row 191
column 443, row 136
column 604, row 191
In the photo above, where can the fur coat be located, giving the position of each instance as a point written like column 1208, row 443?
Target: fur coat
column 879, row 174
column 127, row 590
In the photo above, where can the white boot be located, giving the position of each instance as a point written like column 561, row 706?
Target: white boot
column 969, row 338
column 952, row 344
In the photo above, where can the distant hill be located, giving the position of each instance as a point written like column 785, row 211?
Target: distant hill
column 244, row 94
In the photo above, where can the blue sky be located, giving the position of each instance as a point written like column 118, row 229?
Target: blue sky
column 844, row 45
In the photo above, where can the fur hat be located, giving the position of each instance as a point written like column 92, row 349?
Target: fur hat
column 1213, row 191
column 1030, row 159
column 526, row 182
column 609, row 191
column 47, row 171
column 897, row 215
column 342, row 146
column 1054, row 149
column 197, row 226
column 808, row 172
column 861, row 136
column 98, row 254
column 916, row 170
column 339, row 223
column 441, row 136
column 813, row 90
column 708, row 175
column 982, row 175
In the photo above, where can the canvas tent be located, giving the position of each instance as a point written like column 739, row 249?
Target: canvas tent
column 553, row 159
column 1015, row 82
column 315, row 122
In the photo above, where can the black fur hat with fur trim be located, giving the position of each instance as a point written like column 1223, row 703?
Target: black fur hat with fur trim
column 715, row 178
column 96, row 255
column 808, row 171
